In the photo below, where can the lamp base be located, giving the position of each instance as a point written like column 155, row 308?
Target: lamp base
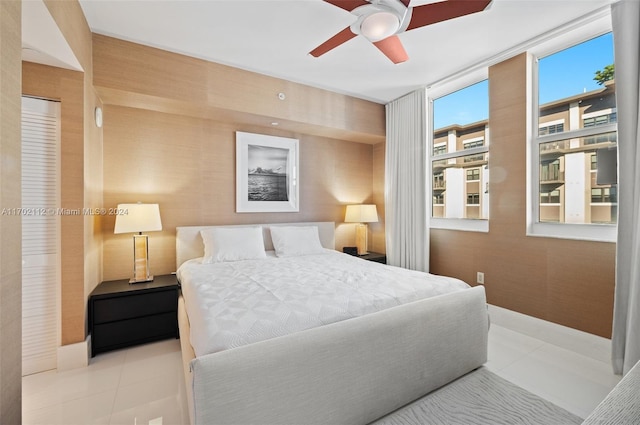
column 141, row 260
column 141, row 280
column 361, row 239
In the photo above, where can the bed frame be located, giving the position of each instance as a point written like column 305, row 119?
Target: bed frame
column 349, row 372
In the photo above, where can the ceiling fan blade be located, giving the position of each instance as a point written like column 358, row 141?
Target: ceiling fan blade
column 428, row 14
column 392, row 48
column 341, row 37
column 405, row 2
column 347, row 5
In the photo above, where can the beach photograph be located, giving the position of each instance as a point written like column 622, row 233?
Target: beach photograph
column 267, row 173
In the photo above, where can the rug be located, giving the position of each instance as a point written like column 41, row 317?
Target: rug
column 480, row 398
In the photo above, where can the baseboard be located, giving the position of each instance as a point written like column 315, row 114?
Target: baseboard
column 587, row 344
column 73, row 356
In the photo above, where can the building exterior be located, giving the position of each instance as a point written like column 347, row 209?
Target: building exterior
column 460, row 184
column 568, row 188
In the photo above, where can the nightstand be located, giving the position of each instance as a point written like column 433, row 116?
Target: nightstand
column 374, row 256
column 123, row 314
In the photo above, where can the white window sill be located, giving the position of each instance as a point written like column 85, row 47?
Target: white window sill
column 586, row 232
column 464, row 224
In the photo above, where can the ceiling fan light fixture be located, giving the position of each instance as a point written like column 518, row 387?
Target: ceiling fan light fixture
column 379, row 25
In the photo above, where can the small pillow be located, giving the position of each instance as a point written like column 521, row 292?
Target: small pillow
column 290, row 241
column 232, row 244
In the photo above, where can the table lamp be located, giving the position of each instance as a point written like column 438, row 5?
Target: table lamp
column 138, row 218
column 361, row 214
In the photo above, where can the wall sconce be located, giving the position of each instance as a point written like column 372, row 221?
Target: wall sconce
column 361, row 214
column 137, row 219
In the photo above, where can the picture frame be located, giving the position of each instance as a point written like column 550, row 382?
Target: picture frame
column 266, row 173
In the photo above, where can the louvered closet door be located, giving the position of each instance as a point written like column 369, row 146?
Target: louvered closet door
column 40, row 234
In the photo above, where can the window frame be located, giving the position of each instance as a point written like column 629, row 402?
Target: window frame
column 435, row 92
column 589, row 231
column 475, row 174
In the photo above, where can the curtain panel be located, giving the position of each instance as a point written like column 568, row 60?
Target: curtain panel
column 626, row 313
column 406, row 190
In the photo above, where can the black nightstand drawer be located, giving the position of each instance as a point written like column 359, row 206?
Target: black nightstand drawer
column 142, row 329
column 123, row 314
column 128, row 307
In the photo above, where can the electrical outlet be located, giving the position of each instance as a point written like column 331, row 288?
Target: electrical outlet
column 480, row 278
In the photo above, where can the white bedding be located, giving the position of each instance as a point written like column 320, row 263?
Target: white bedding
column 231, row 304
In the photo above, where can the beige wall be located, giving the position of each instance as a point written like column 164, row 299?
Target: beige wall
column 67, row 87
column 10, row 226
column 563, row 281
column 81, row 159
column 187, row 165
column 82, row 181
column 169, row 138
column 129, row 74
column 378, row 243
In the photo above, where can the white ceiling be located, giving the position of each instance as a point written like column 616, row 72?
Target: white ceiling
column 274, row 37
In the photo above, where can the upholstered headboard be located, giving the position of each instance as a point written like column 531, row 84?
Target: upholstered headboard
column 189, row 242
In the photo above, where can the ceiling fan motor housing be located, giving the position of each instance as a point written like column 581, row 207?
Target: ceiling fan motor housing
column 381, row 19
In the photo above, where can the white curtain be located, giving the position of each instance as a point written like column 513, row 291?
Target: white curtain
column 406, row 191
column 626, row 313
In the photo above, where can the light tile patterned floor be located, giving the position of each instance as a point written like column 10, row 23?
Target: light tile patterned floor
column 145, row 385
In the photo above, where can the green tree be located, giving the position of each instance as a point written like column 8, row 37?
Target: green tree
column 608, row 73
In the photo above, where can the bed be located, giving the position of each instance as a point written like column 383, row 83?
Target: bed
column 347, row 363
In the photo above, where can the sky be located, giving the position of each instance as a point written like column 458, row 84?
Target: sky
column 267, row 158
column 562, row 74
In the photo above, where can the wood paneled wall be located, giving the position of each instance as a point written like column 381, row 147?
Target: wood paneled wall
column 129, row 74
column 169, row 138
column 378, row 243
column 73, row 25
column 187, row 165
column 568, row 282
column 10, row 225
column 67, row 87
column 81, row 156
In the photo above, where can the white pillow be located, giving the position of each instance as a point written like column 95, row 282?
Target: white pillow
column 290, row 241
column 232, row 244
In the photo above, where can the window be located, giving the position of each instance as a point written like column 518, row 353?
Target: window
column 473, row 144
column 473, row 174
column 551, row 129
column 437, row 150
column 576, row 115
column 438, row 181
column 552, row 197
column 602, row 195
column 473, row 199
column 606, row 139
column 600, row 120
column 550, row 171
column 460, row 154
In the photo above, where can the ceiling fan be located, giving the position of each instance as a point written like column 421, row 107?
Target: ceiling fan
column 380, row 21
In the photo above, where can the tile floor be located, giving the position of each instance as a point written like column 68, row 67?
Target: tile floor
column 145, row 385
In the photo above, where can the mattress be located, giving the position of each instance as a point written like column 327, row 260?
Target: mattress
column 231, row 304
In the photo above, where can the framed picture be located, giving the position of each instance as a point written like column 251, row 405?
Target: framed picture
column 266, row 173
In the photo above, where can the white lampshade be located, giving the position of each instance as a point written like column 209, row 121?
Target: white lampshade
column 379, row 26
column 138, row 218
column 362, row 213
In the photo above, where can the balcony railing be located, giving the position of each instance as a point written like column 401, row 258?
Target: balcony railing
column 551, row 175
